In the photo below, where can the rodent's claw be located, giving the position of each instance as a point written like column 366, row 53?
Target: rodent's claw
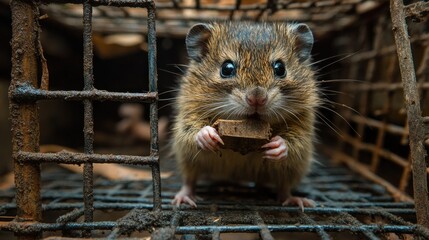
column 208, row 138
column 299, row 201
column 183, row 199
column 277, row 149
column 184, row 196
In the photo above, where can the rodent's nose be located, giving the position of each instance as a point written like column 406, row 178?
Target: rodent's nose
column 254, row 101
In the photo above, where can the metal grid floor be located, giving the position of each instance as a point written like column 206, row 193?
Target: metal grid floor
column 348, row 207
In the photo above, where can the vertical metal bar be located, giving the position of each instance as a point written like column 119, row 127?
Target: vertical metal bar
column 369, row 77
column 25, row 116
column 88, row 194
column 414, row 115
column 153, row 87
column 264, row 233
column 375, row 161
column 308, row 220
column 344, row 99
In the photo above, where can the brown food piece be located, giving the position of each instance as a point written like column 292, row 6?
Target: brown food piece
column 243, row 136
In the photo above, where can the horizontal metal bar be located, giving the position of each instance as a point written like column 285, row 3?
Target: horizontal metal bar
column 298, row 228
column 114, row 3
column 325, row 210
column 25, row 227
column 364, row 171
column 382, row 86
column 71, row 216
column 26, row 92
column 125, row 203
column 206, row 6
column 417, row 11
column 100, row 197
column 79, row 158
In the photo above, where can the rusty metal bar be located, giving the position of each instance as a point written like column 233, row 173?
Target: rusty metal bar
column 383, row 86
column 386, row 108
column 384, row 50
column 113, row 3
column 371, row 148
column 352, row 208
column 264, row 233
column 308, row 220
column 153, row 87
column 25, row 117
column 369, row 77
column 107, row 225
column 71, row 216
column 28, row 93
column 88, row 128
column 390, row 128
column 81, row 158
column 418, row 11
column 415, row 120
column 364, row 171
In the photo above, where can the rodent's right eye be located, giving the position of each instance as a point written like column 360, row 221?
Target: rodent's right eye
column 228, row 69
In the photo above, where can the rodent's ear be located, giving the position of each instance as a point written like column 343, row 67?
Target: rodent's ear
column 196, row 41
column 304, row 40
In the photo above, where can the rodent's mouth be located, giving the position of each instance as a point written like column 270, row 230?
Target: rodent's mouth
column 254, row 116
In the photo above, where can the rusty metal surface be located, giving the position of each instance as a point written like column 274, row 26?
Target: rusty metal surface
column 88, row 119
column 347, row 204
column 80, row 158
column 414, row 112
column 153, row 87
column 24, row 95
column 374, row 133
column 418, row 11
column 175, row 17
column 25, row 125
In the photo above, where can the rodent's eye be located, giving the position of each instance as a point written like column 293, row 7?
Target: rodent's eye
column 228, row 69
column 279, row 69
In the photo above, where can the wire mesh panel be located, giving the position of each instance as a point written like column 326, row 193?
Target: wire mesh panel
column 379, row 109
column 176, row 17
column 26, row 90
column 348, row 207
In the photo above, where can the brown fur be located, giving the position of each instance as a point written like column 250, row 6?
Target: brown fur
column 204, row 97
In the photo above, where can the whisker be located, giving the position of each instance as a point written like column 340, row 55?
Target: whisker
column 342, row 105
column 339, row 60
column 329, row 123
column 167, row 99
column 328, row 58
column 196, row 154
column 177, row 66
column 174, row 73
column 341, row 80
column 169, row 91
column 339, row 115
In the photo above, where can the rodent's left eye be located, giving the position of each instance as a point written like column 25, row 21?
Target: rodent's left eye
column 228, row 69
column 279, row 69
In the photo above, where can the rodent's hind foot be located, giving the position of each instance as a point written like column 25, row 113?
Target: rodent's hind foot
column 299, row 201
column 185, row 195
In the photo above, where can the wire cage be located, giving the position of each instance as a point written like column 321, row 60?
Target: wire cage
column 376, row 129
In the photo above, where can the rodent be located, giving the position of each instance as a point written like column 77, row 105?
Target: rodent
column 239, row 70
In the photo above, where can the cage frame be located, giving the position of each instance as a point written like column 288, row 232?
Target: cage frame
column 417, row 131
column 25, row 92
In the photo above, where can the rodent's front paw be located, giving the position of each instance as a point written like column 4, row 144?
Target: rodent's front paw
column 277, row 149
column 208, row 138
